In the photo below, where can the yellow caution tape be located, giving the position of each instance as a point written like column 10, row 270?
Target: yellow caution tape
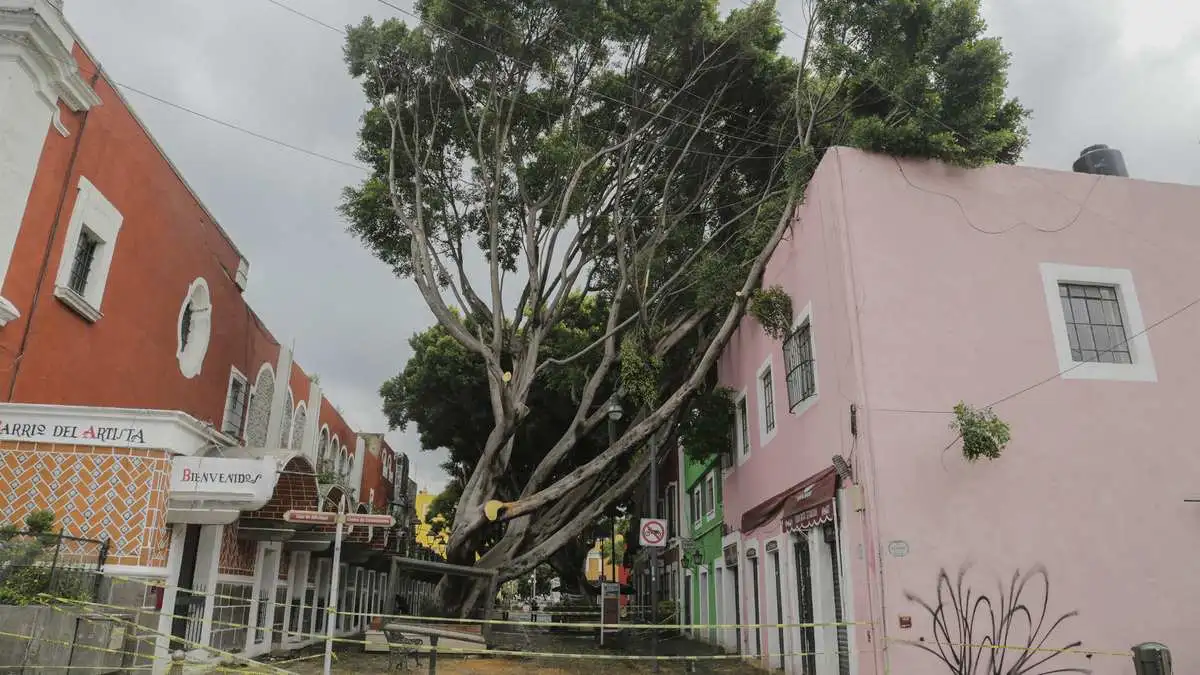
column 1022, row 648
column 189, row 643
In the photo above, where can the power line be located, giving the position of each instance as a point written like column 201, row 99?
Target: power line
column 313, row 19
column 235, row 127
column 204, row 116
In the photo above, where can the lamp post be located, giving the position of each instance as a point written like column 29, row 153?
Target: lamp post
column 654, row 553
column 614, row 415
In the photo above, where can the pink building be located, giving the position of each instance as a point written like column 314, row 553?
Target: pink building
column 915, row 286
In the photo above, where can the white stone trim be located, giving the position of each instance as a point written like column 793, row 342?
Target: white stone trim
column 191, row 356
column 41, row 42
column 798, row 320
column 765, row 436
column 746, row 586
column 738, row 425
column 241, row 579
column 283, row 382
column 102, row 220
column 158, row 429
column 8, row 311
column 135, row 571
column 776, row 608
column 1142, row 369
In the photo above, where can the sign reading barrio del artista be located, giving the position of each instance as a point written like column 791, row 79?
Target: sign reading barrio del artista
column 67, row 433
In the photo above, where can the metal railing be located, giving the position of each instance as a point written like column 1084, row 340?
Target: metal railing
column 34, row 565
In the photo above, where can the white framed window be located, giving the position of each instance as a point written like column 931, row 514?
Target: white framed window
column 236, row 395
column 800, row 364
column 765, row 382
column 696, row 507
column 741, row 431
column 194, row 328
column 1097, row 324
column 91, row 238
column 669, row 513
column 710, row 495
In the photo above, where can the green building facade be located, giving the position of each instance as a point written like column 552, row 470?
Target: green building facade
column 703, row 519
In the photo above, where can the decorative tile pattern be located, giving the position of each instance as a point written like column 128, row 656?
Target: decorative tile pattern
column 296, row 489
column 285, row 424
column 260, row 409
column 95, row 492
column 237, row 556
column 298, row 422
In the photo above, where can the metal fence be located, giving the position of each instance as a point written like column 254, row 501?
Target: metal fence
column 40, row 566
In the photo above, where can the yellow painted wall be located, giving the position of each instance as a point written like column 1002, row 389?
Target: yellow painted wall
column 424, row 499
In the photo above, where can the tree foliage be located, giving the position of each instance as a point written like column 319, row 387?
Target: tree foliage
column 627, row 168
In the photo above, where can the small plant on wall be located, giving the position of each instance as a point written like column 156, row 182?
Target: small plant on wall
column 983, row 433
column 772, row 307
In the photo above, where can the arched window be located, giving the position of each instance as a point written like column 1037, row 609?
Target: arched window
column 298, row 421
column 323, row 463
column 285, row 421
column 260, row 407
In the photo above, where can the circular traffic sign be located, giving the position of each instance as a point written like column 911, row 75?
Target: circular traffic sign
column 653, row 532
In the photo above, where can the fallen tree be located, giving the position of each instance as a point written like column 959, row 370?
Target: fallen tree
column 641, row 159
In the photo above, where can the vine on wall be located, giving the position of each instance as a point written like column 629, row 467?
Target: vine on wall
column 772, row 307
column 983, row 433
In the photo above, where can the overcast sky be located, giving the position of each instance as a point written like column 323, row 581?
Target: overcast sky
column 1121, row 72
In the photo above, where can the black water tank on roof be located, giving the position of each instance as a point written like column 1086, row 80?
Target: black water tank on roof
column 1101, row 159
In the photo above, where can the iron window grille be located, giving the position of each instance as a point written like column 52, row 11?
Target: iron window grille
column 1095, row 326
column 768, row 398
column 81, row 266
column 185, row 326
column 235, row 408
column 743, row 428
column 798, row 359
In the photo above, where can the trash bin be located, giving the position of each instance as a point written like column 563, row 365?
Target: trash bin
column 1151, row 658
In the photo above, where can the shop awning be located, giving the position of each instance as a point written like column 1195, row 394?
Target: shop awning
column 786, row 502
column 813, row 505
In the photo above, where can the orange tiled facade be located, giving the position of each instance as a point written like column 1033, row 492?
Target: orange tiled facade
column 118, row 494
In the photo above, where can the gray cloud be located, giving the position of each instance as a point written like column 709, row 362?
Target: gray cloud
column 1122, row 72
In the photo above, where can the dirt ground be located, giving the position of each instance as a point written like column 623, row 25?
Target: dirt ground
column 351, row 660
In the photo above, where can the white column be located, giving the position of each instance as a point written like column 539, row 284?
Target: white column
column 283, row 378
column 208, row 560
column 825, row 637
column 252, row 620
column 312, row 421
column 162, row 642
column 290, row 607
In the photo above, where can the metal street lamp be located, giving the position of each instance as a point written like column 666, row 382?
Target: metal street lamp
column 615, row 412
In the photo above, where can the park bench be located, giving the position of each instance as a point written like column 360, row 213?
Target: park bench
column 400, row 647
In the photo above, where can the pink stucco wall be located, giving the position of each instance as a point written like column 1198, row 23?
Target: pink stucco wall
column 809, row 264
column 1093, row 482
column 926, row 289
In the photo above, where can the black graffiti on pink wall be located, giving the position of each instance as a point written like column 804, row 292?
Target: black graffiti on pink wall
column 1003, row 634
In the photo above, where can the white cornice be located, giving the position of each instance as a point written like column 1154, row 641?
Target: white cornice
column 36, row 36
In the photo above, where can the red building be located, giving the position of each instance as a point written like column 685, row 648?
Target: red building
column 144, row 402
